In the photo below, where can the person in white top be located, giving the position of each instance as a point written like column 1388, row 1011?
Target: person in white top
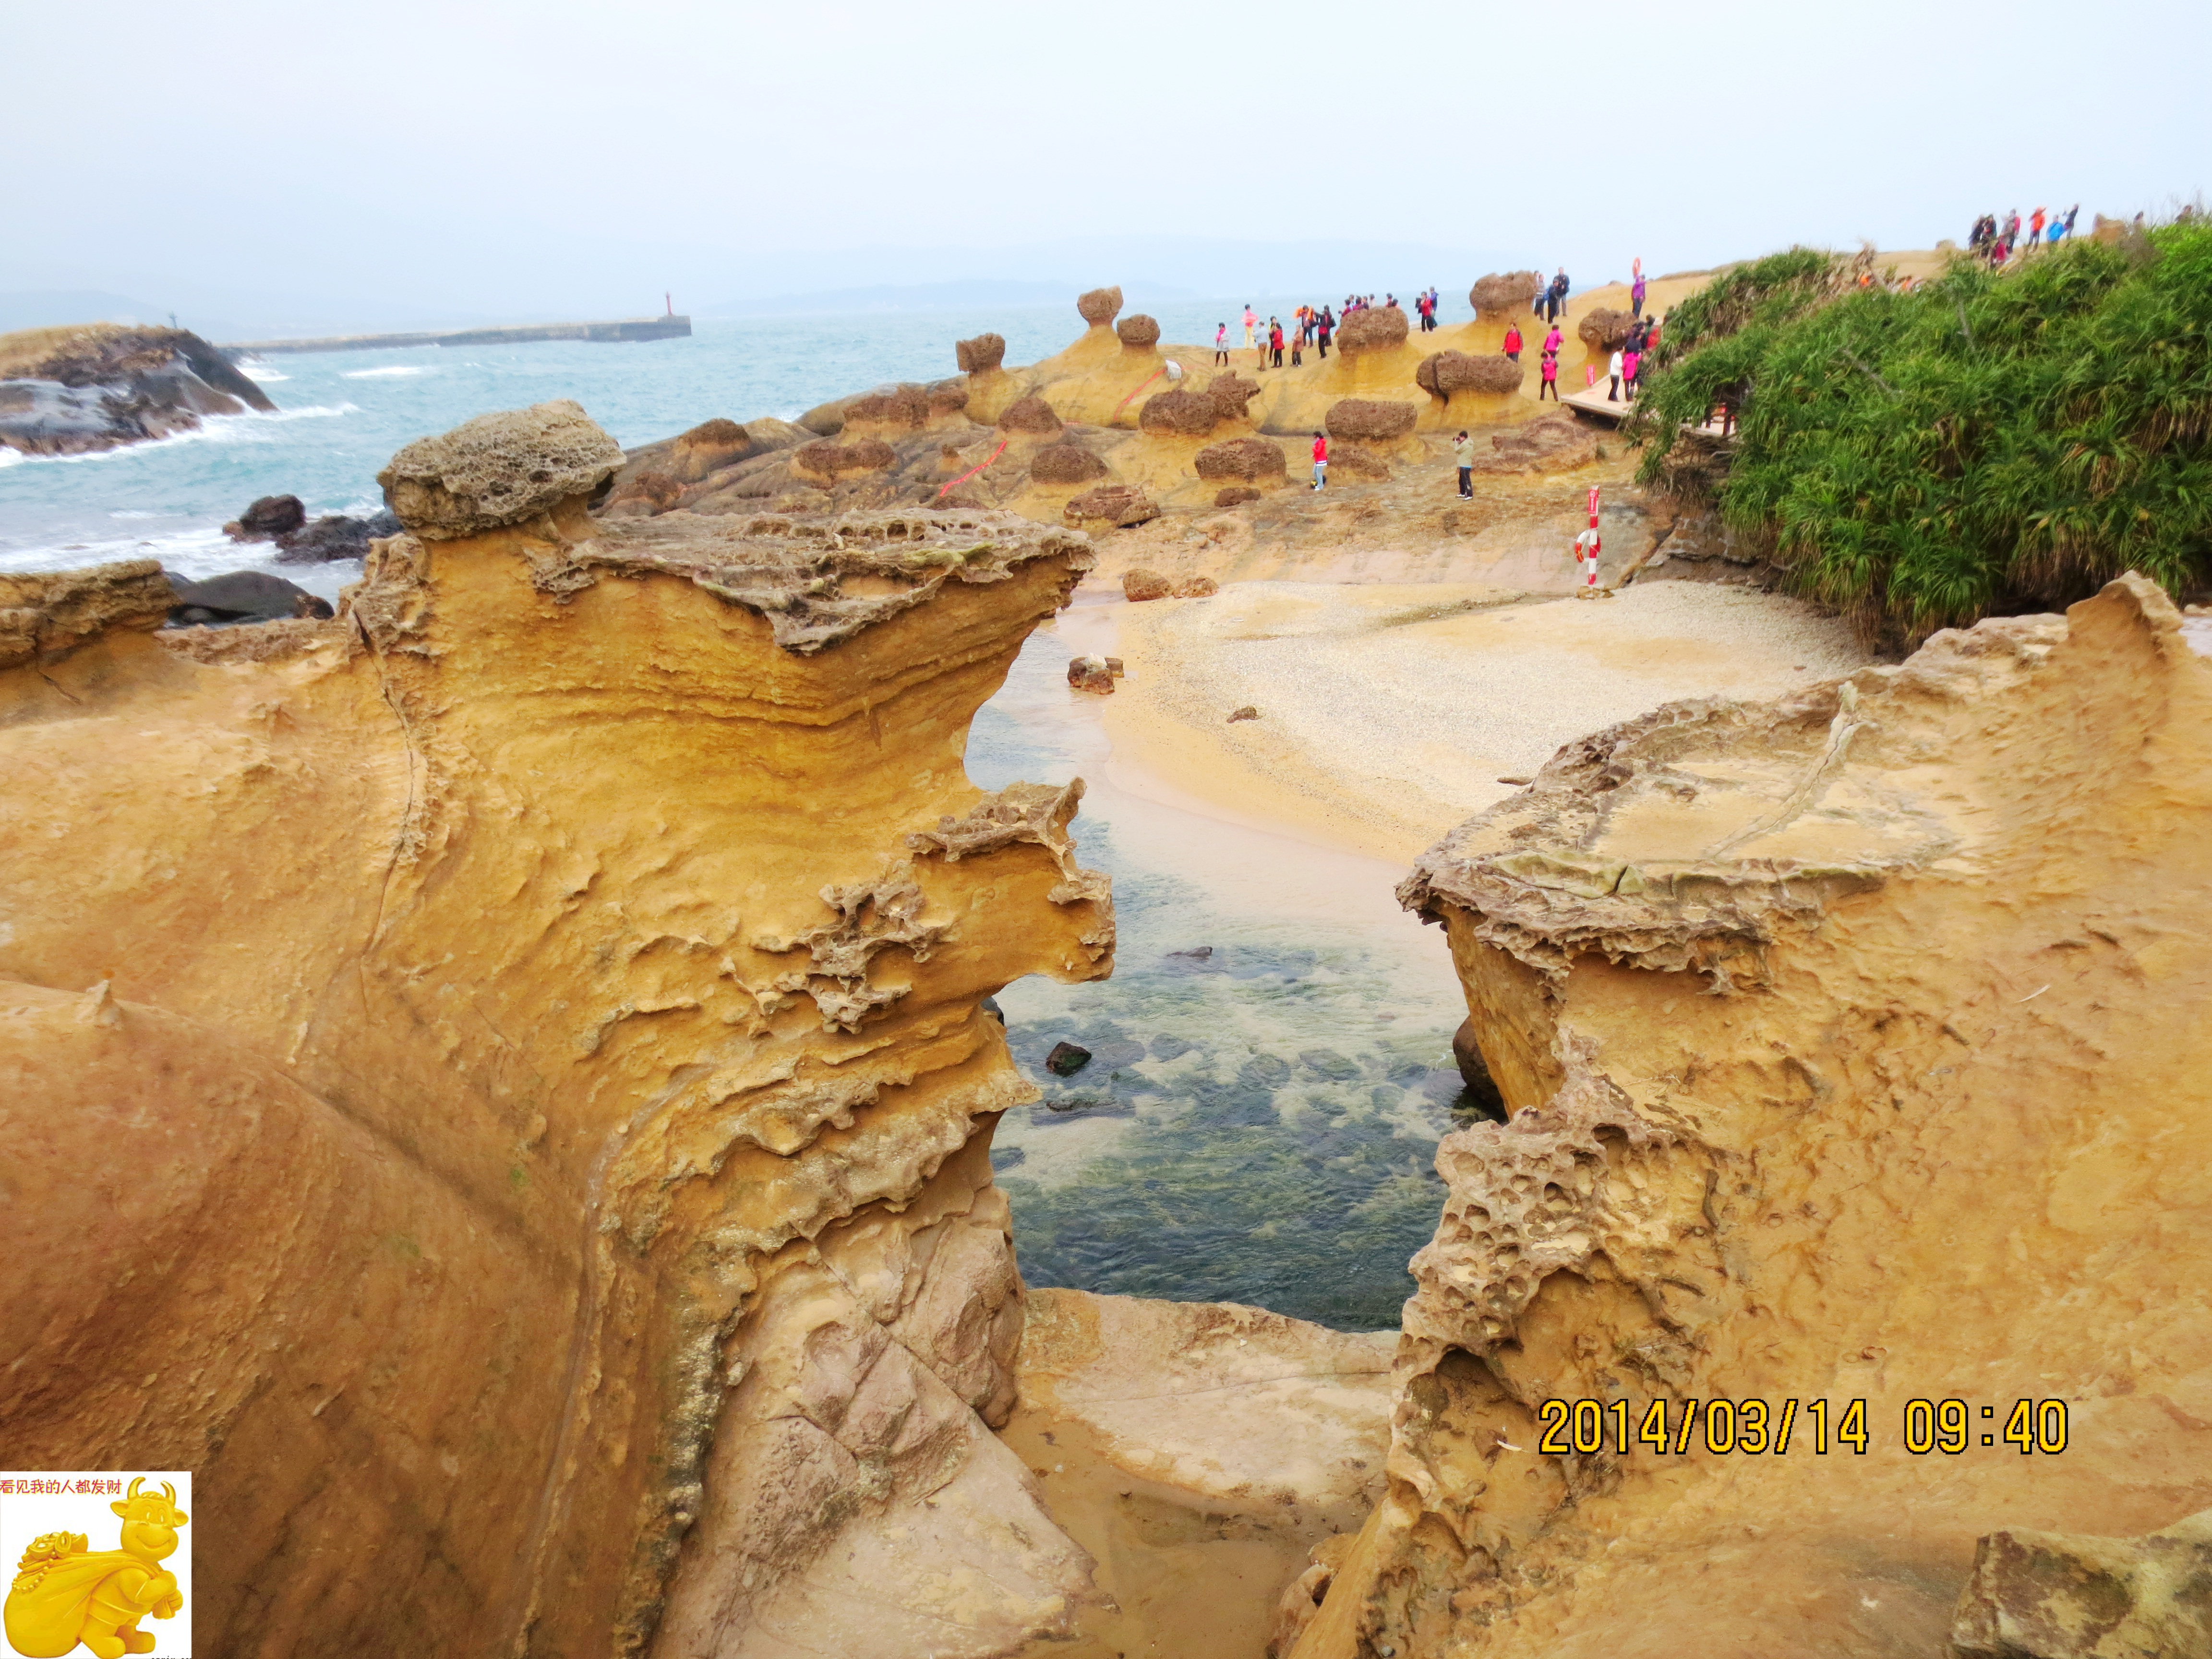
column 1614, row 369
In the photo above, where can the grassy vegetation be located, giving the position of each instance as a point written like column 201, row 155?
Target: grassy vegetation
column 1986, row 443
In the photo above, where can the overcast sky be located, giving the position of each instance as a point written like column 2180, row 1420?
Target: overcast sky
column 563, row 156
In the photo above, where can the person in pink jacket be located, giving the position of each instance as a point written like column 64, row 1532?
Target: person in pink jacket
column 1321, row 460
column 1551, row 372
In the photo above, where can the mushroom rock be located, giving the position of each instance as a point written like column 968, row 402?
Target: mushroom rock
column 1029, row 417
column 984, row 355
column 1249, row 460
column 1232, row 397
column 1757, row 1129
column 1509, row 290
column 824, row 462
column 1349, row 461
column 1116, row 505
column 498, row 470
column 1138, row 332
column 1371, row 420
column 1443, row 373
column 1065, row 464
column 583, row 1179
column 1181, row 414
column 1605, row 329
column 1234, row 495
column 1100, row 306
column 1373, row 328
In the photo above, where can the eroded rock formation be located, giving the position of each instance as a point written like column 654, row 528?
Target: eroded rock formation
column 1852, row 1048
column 77, row 391
column 1373, row 328
column 1508, row 290
column 1099, row 306
column 1443, row 373
column 1371, row 420
column 1138, row 332
column 502, row 1075
column 1603, row 329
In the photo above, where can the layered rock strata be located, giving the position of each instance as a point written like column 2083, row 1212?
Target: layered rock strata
column 527, row 1127
column 1852, row 1050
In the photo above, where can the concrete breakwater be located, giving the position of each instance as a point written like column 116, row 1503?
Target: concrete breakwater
column 631, row 328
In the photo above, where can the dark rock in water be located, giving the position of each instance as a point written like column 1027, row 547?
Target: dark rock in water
column 1264, row 1072
column 990, row 1005
column 79, row 391
column 335, row 536
column 1330, row 1064
column 242, row 596
column 1482, row 1089
column 1165, row 1047
column 1196, row 953
column 1072, row 1107
column 1065, row 1060
column 269, row 516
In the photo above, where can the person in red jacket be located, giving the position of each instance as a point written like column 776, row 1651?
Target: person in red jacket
column 1513, row 341
column 1321, row 460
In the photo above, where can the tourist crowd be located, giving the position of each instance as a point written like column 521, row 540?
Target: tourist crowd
column 1997, row 241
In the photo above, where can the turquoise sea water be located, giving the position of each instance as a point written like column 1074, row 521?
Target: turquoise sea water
column 1258, row 1122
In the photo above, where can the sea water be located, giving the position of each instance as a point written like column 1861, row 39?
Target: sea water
column 1270, row 1066
column 340, row 416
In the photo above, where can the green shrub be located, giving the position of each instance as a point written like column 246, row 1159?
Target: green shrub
column 1988, row 443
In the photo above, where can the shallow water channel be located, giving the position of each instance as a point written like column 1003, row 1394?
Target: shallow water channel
column 1271, row 1060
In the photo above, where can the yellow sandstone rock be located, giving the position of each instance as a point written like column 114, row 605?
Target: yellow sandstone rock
column 526, row 1147
column 1853, row 1046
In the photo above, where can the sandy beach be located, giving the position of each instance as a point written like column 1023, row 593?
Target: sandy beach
column 1389, row 714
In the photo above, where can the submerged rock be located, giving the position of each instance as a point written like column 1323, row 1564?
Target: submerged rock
column 1067, row 1059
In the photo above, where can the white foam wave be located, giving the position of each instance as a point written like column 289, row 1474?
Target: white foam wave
column 392, row 374
column 191, row 554
column 264, row 376
column 212, row 429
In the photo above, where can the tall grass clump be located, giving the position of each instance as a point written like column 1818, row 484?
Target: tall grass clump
column 1988, row 443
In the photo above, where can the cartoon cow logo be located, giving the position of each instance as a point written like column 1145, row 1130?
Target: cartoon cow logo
column 64, row 1594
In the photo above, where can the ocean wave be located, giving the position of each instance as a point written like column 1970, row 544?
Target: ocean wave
column 212, row 429
column 393, row 372
column 264, row 376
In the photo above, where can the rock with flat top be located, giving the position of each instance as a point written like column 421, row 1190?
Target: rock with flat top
column 498, row 470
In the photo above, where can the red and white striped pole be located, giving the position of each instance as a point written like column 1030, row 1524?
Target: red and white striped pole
column 1593, row 543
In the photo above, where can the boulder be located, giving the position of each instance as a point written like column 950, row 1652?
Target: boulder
column 1250, row 460
column 1350, row 460
column 1138, row 332
column 1198, row 587
column 242, row 596
column 1370, row 418
column 643, row 496
column 1234, row 495
column 1140, row 586
column 1605, row 328
column 1377, row 328
column 1179, row 413
column 1100, row 306
column 1030, row 416
column 708, row 447
column 268, row 517
column 826, row 420
column 1506, row 290
column 1443, row 372
column 1067, row 1059
column 980, row 355
column 1119, row 505
column 891, row 409
column 1230, row 395
column 335, row 536
column 1554, row 444
column 2065, row 1595
column 824, row 460
column 1065, row 464
column 1246, row 712
column 1089, row 674
column 498, row 470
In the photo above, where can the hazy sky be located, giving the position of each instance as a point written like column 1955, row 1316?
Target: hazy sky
column 568, row 156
